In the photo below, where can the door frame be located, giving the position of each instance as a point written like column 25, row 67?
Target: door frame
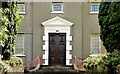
column 57, row 25
column 64, row 50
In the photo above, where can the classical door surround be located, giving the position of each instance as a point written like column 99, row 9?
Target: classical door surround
column 57, row 25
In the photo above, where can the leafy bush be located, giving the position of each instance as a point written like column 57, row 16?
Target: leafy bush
column 15, row 62
column 7, row 65
column 112, row 60
column 95, row 62
column 5, row 68
column 109, row 60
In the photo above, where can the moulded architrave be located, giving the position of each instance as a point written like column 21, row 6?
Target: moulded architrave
column 46, row 62
column 68, row 46
column 69, row 38
column 45, row 47
column 68, row 55
column 45, row 38
column 68, row 62
column 45, row 56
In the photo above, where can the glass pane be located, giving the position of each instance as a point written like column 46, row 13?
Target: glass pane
column 95, row 7
column 19, row 48
column 95, row 44
column 21, row 7
column 57, row 7
column 19, row 51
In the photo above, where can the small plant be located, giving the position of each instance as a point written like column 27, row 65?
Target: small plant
column 95, row 63
column 112, row 60
column 5, row 68
column 16, row 62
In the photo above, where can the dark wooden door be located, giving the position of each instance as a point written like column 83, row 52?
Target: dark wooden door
column 57, row 49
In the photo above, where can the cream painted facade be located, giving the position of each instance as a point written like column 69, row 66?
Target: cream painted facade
column 77, row 22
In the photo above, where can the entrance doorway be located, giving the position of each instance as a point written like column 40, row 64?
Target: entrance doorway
column 57, row 48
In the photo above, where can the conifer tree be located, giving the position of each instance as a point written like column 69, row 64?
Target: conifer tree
column 109, row 21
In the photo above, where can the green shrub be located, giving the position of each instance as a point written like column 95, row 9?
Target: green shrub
column 6, row 65
column 15, row 62
column 95, row 62
column 5, row 68
column 109, row 60
column 112, row 60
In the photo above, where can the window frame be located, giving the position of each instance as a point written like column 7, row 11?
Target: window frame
column 95, row 34
column 57, row 11
column 21, row 13
column 94, row 12
column 22, row 47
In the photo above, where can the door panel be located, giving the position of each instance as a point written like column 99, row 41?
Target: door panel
column 57, row 48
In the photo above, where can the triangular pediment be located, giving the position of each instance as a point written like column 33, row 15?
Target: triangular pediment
column 57, row 21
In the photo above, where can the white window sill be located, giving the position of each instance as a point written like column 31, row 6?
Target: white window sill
column 22, row 13
column 19, row 55
column 94, row 13
column 57, row 12
column 94, row 55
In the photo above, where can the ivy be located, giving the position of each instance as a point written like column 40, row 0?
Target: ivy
column 10, row 21
column 109, row 21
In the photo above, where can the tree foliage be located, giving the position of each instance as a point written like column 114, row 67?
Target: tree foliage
column 109, row 21
column 10, row 21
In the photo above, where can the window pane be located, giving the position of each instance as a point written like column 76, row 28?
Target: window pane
column 95, row 44
column 95, row 7
column 19, row 48
column 57, row 6
column 21, row 7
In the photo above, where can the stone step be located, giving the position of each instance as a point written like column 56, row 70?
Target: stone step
column 58, row 68
column 56, row 72
column 64, row 68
